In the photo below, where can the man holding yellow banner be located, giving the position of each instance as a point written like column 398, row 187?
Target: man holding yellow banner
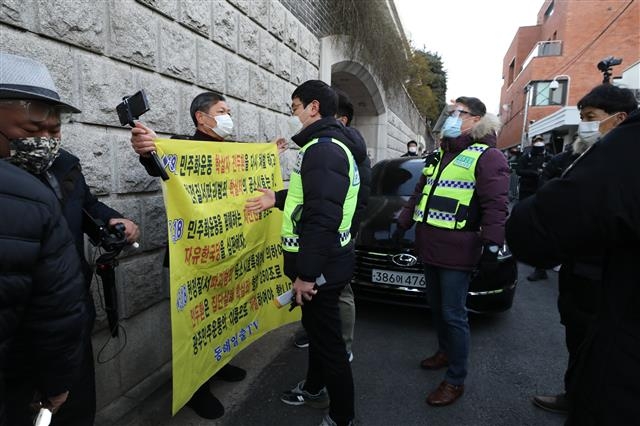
column 221, row 276
column 318, row 251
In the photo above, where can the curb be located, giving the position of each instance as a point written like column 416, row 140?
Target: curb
column 149, row 403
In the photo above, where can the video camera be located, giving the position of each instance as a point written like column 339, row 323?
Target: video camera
column 605, row 66
column 112, row 240
column 129, row 110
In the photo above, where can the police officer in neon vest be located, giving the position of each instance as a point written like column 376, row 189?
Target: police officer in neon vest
column 318, row 248
column 460, row 207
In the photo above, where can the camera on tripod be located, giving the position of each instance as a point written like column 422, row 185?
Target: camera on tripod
column 605, row 66
column 112, row 239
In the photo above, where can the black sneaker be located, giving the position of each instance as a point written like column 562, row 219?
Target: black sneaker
column 302, row 341
column 205, row 404
column 231, row 373
column 299, row 396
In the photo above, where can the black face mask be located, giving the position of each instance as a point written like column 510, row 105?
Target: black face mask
column 34, row 154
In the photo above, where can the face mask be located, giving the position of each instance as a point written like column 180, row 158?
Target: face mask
column 413, row 149
column 589, row 131
column 34, row 154
column 224, row 125
column 452, row 127
column 295, row 124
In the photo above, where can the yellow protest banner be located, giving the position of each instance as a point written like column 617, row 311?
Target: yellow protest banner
column 225, row 263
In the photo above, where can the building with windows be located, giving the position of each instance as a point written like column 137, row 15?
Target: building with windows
column 549, row 66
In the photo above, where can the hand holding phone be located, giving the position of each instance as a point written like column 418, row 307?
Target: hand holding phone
column 129, row 110
column 43, row 418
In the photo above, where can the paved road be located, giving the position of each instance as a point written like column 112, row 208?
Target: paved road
column 514, row 355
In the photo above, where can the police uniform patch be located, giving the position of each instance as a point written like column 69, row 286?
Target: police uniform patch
column 463, row 161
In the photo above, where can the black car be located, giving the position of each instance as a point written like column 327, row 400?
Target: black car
column 387, row 269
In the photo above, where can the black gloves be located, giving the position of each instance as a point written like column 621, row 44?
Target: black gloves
column 489, row 258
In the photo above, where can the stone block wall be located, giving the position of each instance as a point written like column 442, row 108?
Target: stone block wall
column 255, row 52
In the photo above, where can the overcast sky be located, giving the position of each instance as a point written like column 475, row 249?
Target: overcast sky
column 471, row 37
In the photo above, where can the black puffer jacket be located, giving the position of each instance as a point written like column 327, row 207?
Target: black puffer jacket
column 75, row 196
column 42, row 313
column 353, row 140
column 325, row 175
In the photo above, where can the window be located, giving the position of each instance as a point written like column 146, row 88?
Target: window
column 544, row 96
column 396, row 178
column 549, row 11
column 512, row 72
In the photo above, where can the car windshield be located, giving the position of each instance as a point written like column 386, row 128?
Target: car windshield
column 395, row 177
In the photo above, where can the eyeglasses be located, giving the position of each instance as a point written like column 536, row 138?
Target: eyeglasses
column 40, row 111
column 294, row 107
column 457, row 112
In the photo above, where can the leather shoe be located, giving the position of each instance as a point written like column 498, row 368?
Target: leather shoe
column 445, row 394
column 435, row 362
column 555, row 404
column 230, row 373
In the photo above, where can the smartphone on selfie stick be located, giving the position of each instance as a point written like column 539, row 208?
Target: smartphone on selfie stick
column 129, row 110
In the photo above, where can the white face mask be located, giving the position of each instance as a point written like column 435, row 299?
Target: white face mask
column 295, row 124
column 589, row 131
column 413, row 149
column 224, row 125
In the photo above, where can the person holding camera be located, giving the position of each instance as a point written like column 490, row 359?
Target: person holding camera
column 30, row 129
column 460, row 206
column 212, row 120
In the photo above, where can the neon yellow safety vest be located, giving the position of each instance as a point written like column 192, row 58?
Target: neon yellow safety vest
column 447, row 194
column 294, row 202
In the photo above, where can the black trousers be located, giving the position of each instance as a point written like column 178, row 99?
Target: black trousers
column 78, row 410
column 328, row 360
column 574, row 335
column 80, row 407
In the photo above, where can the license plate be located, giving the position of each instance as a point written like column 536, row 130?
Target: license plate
column 397, row 278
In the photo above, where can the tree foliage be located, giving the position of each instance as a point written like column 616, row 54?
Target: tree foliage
column 373, row 37
column 427, row 83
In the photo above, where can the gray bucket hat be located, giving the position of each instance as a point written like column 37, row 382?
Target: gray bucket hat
column 24, row 78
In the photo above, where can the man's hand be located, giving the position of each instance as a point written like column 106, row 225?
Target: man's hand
column 131, row 230
column 261, row 203
column 282, row 145
column 53, row 403
column 303, row 290
column 142, row 139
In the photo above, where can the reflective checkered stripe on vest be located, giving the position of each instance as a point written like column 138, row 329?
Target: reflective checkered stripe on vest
column 295, row 199
column 447, row 205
